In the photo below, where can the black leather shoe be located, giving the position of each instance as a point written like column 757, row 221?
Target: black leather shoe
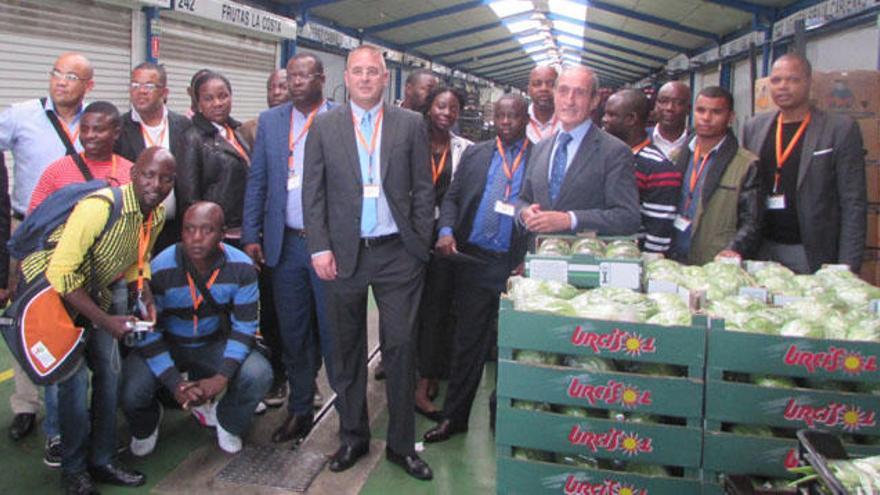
column 293, row 428
column 442, row 432
column 435, row 416
column 346, row 456
column 22, row 424
column 412, row 464
column 116, row 474
column 380, row 371
column 78, row 484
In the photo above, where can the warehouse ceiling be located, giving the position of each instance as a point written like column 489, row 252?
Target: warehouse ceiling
column 502, row 40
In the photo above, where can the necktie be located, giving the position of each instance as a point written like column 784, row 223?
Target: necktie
column 557, row 173
column 492, row 219
column 369, row 217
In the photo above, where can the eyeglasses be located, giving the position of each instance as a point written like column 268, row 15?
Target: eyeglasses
column 565, row 91
column 370, row 72
column 303, row 77
column 67, row 76
column 148, row 86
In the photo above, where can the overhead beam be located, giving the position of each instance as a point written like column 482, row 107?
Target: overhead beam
column 487, row 44
column 604, row 64
column 508, row 51
column 617, row 32
column 607, row 56
column 507, row 70
column 494, row 64
column 469, row 31
column 744, row 6
column 651, row 19
column 623, row 49
column 425, row 16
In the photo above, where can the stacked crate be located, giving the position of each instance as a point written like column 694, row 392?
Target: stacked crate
column 594, row 452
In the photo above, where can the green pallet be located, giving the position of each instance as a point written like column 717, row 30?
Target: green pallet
column 520, row 477
column 585, row 271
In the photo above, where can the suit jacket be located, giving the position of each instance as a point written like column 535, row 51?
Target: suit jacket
column 831, row 193
column 460, row 205
column 599, row 185
column 265, row 199
column 131, row 141
column 333, row 187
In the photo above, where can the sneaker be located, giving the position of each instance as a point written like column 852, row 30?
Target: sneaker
column 261, row 407
column 229, row 443
column 52, row 456
column 276, row 395
column 206, row 414
column 144, row 446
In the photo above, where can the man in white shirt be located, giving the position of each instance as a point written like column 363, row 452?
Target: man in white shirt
column 671, row 112
column 542, row 116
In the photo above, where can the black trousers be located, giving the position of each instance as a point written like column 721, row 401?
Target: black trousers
column 436, row 319
column 396, row 278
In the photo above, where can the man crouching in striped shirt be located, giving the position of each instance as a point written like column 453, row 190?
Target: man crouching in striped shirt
column 658, row 180
column 207, row 303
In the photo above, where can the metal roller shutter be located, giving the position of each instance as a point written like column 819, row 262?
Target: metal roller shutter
column 33, row 34
column 245, row 61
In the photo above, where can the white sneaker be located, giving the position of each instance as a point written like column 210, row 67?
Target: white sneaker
column 206, row 414
column 144, row 446
column 229, row 443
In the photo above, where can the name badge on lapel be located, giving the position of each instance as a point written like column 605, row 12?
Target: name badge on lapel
column 503, row 208
column 681, row 223
column 776, row 202
column 294, row 181
column 371, row 191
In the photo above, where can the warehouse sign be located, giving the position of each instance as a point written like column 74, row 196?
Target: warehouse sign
column 820, row 14
column 240, row 16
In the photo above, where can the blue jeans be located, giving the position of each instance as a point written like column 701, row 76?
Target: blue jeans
column 299, row 299
column 91, row 437
column 50, row 424
column 234, row 411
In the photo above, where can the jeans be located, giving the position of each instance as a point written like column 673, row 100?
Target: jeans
column 91, row 437
column 234, row 411
column 299, row 299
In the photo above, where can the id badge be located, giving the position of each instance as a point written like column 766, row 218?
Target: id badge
column 294, row 181
column 371, row 191
column 681, row 223
column 436, row 213
column 776, row 202
column 503, row 208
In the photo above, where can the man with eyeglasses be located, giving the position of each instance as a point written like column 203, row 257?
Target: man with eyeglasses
column 273, row 236
column 28, row 131
column 583, row 179
column 671, row 112
column 151, row 123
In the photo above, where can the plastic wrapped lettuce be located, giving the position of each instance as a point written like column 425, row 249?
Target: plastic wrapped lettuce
column 671, row 310
column 535, row 357
column 666, row 270
column 647, row 469
column 554, row 247
column 528, row 405
column 532, row 455
column 613, row 303
column 578, row 460
column 849, row 289
column 574, row 411
column 588, row 363
column 588, row 245
column 622, row 249
column 863, row 326
column 737, row 311
column 725, row 279
column 755, row 431
column 527, row 287
column 777, row 279
column 773, row 381
column 544, row 304
column 802, row 327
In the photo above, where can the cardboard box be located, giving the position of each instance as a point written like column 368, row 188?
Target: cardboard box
column 870, row 128
column 871, row 237
column 872, row 181
column 855, row 92
column 871, row 267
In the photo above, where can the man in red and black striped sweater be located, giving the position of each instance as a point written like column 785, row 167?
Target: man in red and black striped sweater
column 658, row 180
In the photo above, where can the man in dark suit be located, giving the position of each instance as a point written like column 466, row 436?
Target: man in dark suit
column 583, row 178
column 273, row 214
column 368, row 200
column 477, row 219
column 151, row 123
column 813, row 175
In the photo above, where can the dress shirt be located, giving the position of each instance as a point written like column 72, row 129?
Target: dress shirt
column 294, row 212
column 666, row 146
column 536, row 131
column 385, row 224
column 577, row 136
column 155, row 133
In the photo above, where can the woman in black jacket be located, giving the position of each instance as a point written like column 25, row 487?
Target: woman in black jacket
column 215, row 164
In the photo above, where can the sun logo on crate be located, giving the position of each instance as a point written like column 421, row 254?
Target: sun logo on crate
column 616, row 341
column 611, row 393
column 831, row 360
column 574, row 485
column 854, row 418
column 849, row 417
column 613, row 440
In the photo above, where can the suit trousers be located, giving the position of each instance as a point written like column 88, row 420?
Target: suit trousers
column 436, row 319
column 396, row 278
column 476, row 308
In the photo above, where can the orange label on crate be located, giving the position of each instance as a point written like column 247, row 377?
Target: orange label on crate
column 611, row 393
column 575, row 486
column 848, row 417
column 834, row 359
column 618, row 340
column 613, row 440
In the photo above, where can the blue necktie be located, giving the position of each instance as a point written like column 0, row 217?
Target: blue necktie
column 492, row 219
column 557, row 173
column 369, row 217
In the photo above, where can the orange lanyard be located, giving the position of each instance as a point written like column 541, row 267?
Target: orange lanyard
column 372, row 147
column 112, row 175
column 149, row 139
column 291, row 141
column 537, row 129
column 71, row 137
column 143, row 245
column 197, row 298
column 230, row 137
column 782, row 156
column 696, row 173
column 437, row 169
column 641, row 146
column 508, row 170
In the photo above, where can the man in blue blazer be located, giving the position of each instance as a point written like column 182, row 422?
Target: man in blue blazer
column 273, row 234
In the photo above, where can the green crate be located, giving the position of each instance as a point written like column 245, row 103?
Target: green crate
column 520, row 477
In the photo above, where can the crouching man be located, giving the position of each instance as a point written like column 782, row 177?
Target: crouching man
column 206, row 300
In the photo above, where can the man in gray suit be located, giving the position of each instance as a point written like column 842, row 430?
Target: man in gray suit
column 583, row 178
column 813, row 175
column 368, row 201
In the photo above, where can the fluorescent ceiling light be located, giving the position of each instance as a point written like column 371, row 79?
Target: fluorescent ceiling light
column 533, row 48
column 540, row 57
column 569, row 27
column 567, row 39
column 568, row 8
column 521, row 26
column 507, row 8
column 532, row 38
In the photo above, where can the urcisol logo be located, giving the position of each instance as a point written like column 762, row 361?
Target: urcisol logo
column 848, row 417
column 613, row 440
column 834, row 359
column 611, row 393
column 575, row 486
column 616, row 341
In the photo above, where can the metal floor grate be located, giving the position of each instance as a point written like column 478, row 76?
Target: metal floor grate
column 274, row 467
